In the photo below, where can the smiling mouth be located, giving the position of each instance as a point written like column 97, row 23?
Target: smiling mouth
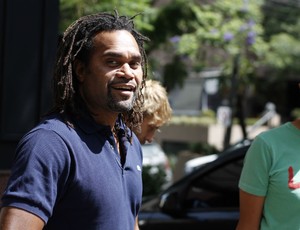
column 129, row 88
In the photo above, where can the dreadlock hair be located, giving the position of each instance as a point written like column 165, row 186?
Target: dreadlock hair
column 77, row 44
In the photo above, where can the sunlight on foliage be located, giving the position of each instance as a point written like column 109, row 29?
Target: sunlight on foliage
column 73, row 9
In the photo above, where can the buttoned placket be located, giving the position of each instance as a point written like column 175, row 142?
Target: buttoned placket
column 114, row 148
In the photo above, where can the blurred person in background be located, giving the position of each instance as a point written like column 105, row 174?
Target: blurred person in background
column 157, row 172
column 156, row 111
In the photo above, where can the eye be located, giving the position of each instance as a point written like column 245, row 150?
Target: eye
column 112, row 63
column 135, row 64
column 154, row 128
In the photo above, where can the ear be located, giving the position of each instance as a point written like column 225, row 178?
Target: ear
column 79, row 68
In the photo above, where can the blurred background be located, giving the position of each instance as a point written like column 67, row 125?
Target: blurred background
column 231, row 69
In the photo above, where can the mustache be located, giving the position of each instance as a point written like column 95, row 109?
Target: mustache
column 123, row 83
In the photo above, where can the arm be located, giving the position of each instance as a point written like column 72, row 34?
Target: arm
column 136, row 226
column 251, row 207
column 14, row 218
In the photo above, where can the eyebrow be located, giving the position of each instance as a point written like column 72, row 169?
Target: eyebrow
column 135, row 56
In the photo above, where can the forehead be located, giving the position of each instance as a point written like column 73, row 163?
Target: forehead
column 118, row 41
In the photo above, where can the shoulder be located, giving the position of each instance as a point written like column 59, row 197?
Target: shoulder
column 50, row 127
column 271, row 142
column 49, row 135
column 55, row 123
column 273, row 133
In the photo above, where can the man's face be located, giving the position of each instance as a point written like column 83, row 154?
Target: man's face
column 147, row 131
column 108, row 84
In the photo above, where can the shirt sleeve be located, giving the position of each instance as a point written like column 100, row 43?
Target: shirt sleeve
column 39, row 173
column 255, row 173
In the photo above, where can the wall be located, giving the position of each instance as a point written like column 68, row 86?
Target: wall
column 27, row 48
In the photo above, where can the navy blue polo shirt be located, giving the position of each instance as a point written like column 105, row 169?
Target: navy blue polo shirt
column 73, row 178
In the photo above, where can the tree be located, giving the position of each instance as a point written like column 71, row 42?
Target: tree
column 73, row 9
column 210, row 34
column 247, row 40
column 282, row 23
column 190, row 36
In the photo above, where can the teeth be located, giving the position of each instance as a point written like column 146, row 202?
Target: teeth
column 124, row 88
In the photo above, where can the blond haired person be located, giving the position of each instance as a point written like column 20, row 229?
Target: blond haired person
column 156, row 110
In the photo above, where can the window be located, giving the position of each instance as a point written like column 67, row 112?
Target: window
column 216, row 189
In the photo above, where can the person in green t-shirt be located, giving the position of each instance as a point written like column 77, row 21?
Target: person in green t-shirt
column 270, row 181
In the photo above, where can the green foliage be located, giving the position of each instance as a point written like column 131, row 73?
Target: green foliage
column 209, row 35
column 174, row 73
column 193, row 120
column 73, row 9
column 281, row 18
column 212, row 34
column 287, row 51
column 201, row 34
column 208, row 113
column 173, row 19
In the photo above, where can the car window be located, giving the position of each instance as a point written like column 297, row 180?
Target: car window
column 218, row 188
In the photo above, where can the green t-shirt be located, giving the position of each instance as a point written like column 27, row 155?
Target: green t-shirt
column 272, row 169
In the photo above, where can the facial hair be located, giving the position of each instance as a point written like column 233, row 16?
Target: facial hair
column 118, row 105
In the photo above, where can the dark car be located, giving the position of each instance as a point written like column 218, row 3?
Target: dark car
column 206, row 199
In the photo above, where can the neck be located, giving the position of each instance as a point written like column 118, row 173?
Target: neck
column 296, row 123
column 105, row 119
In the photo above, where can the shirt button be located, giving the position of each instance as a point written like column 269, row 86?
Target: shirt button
column 112, row 147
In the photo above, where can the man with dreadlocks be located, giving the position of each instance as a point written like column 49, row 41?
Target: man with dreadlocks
column 80, row 168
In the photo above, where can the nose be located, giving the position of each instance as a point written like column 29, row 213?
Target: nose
column 126, row 71
column 149, row 138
